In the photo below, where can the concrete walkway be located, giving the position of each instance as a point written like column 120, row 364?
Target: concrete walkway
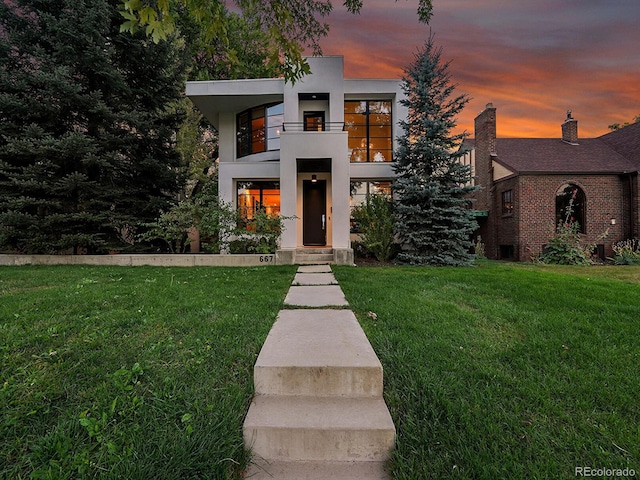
column 318, row 412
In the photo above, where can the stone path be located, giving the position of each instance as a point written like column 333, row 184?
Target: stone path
column 318, row 412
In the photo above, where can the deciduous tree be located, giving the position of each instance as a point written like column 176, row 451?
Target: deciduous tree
column 288, row 27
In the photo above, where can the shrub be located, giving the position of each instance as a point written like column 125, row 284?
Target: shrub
column 375, row 221
column 566, row 247
column 627, row 252
column 479, row 248
column 258, row 235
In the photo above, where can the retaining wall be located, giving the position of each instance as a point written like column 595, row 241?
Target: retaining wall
column 167, row 260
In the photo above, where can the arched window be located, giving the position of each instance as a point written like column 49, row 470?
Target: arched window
column 571, row 207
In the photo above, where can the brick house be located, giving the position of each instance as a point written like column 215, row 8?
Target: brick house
column 527, row 183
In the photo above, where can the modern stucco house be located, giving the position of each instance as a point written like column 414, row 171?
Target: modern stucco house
column 528, row 182
column 309, row 150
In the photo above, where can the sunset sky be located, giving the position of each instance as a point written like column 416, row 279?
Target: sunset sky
column 534, row 60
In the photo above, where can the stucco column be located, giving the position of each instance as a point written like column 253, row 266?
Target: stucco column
column 288, row 192
column 340, row 185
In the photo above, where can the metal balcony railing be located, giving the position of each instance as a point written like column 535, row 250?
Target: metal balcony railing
column 322, row 127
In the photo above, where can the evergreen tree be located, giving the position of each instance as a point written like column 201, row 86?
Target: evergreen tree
column 434, row 221
column 86, row 132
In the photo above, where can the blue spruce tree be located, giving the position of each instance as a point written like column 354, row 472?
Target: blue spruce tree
column 434, row 220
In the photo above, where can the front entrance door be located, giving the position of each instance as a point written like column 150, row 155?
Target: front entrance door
column 314, row 212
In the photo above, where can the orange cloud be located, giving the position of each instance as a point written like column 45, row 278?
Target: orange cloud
column 533, row 61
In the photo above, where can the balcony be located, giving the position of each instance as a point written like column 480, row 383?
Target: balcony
column 318, row 127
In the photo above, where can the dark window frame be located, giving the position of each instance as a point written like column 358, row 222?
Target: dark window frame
column 369, row 185
column 507, row 203
column 564, row 196
column 366, row 152
column 249, row 137
column 261, row 185
column 307, row 116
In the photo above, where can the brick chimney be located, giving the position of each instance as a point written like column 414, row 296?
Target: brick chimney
column 570, row 130
column 485, row 130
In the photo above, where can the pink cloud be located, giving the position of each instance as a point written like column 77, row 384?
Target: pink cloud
column 533, row 60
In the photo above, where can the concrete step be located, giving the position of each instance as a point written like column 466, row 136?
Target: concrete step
column 314, row 269
column 314, row 258
column 336, row 429
column 262, row 470
column 320, row 352
column 315, row 250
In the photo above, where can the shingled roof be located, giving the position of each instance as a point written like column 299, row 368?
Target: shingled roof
column 625, row 141
column 616, row 152
column 552, row 155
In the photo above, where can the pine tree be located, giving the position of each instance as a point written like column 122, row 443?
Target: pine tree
column 86, row 135
column 434, row 221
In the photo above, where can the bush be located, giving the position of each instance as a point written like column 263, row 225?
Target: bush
column 375, row 223
column 220, row 226
column 627, row 252
column 566, row 247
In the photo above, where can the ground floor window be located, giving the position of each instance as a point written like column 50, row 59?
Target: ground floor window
column 570, row 206
column 507, row 202
column 360, row 190
column 258, row 195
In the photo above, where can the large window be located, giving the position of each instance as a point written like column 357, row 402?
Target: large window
column 359, row 192
column 254, row 196
column 258, row 129
column 369, row 125
column 570, row 206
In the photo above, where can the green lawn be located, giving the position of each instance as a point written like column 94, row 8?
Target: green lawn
column 132, row 373
column 505, row 371
column 501, row 371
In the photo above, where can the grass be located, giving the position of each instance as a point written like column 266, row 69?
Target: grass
column 115, row 372
column 499, row 371
column 505, row 370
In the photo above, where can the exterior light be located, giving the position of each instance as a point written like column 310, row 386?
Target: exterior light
column 314, row 178
column 613, row 221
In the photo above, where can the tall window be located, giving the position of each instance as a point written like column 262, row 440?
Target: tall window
column 359, row 192
column 571, row 206
column 507, row 202
column 369, row 125
column 258, row 129
column 254, row 196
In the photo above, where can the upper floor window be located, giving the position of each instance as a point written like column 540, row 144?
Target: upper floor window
column 313, row 121
column 258, row 129
column 571, row 207
column 369, row 125
column 507, row 202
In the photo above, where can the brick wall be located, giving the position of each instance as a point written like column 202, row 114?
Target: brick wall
column 485, row 144
column 507, row 225
column 532, row 223
column 604, row 200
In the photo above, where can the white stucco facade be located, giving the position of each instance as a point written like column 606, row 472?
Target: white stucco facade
column 306, row 157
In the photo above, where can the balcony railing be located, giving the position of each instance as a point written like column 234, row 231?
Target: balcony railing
column 322, row 127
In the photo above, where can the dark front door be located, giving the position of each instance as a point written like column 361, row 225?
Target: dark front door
column 314, row 212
